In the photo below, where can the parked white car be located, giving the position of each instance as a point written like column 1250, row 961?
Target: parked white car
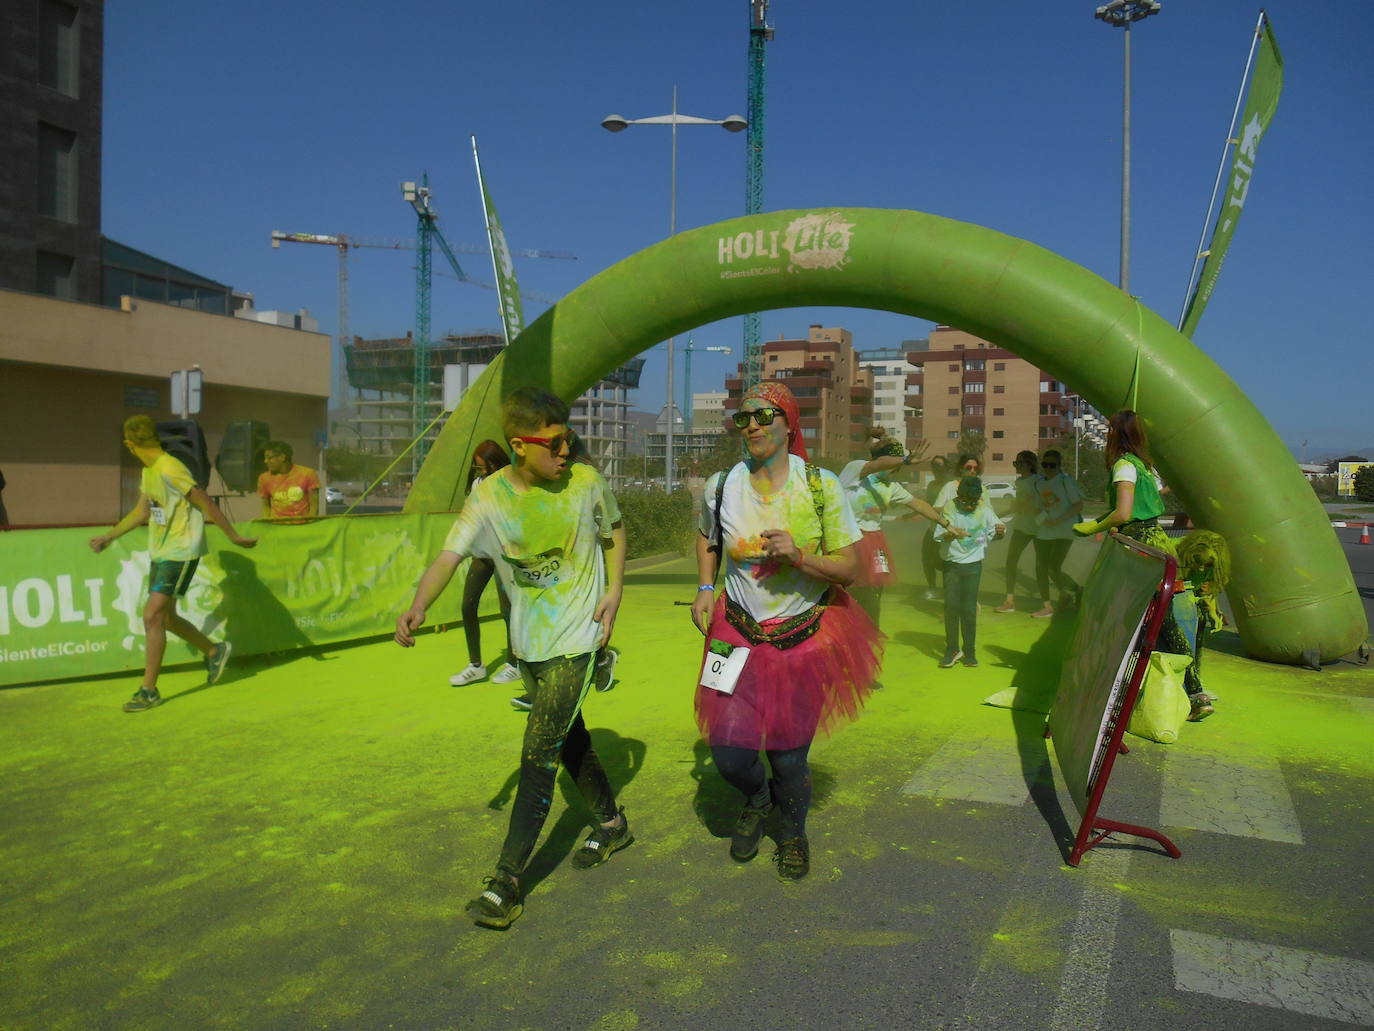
column 999, row 489
column 333, row 496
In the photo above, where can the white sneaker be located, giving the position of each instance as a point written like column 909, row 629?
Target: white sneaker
column 471, row 674
column 506, row 674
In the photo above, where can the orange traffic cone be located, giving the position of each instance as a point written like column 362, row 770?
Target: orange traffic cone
column 1364, row 534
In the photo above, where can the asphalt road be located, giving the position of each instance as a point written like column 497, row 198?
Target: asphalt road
column 292, row 849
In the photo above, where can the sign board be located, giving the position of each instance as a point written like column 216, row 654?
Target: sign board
column 1345, row 477
column 186, row 391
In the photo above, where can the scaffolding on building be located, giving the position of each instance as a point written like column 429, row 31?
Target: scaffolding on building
column 381, row 375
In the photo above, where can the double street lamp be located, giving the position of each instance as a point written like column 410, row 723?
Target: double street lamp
column 616, row 123
column 1121, row 13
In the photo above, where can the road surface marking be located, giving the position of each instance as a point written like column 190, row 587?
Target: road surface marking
column 1244, row 798
column 1274, row 976
column 977, row 770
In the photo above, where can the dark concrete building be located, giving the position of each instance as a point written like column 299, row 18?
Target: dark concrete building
column 51, row 54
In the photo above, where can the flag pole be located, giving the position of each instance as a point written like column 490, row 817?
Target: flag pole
column 1199, row 254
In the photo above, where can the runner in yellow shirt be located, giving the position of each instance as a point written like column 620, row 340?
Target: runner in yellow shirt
column 174, row 509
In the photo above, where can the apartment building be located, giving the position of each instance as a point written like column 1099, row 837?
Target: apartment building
column 966, row 383
column 834, row 393
column 894, row 406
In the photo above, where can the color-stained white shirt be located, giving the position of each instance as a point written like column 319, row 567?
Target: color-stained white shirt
column 547, row 546
column 766, row 588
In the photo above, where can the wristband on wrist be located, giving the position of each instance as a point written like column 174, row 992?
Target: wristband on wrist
column 706, row 587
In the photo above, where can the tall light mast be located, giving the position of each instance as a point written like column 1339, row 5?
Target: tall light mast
column 759, row 34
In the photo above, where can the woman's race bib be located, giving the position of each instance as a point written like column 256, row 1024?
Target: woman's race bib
column 724, row 663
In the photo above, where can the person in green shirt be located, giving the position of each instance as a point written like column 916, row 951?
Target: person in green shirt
column 552, row 528
column 1135, row 508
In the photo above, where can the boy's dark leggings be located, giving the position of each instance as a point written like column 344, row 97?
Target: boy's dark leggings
column 743, row 770
column 555, row 732
column 961, row 604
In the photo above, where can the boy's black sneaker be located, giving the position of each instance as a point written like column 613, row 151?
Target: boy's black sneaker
column 602, row 842
column 523, row 702
column 604, row 675
column 744, row 842
column 970, row 659
column 951, row 657
column 498, row 905
column 143, row 700
column 793, row 857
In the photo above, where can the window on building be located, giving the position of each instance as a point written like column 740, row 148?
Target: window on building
column 57, row 275
column 958, row 347
column 999, row 411
column 998, row 434
column 999, row 366
column 975, row 388
column 953, row 434
column 1044, row 409
column 954, row 367
column 954, row 390
column 997, row 456
column 999, row 389
column 975, row 364
column 953, row 412
column 915, row 388
column 973, row 409
column 57, row 47
column 56, row 172
column 807, row 432
column 771, row 358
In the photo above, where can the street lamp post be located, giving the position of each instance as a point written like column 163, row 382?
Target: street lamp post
column 1121, row 13
column 615, row 123
column 687, row 353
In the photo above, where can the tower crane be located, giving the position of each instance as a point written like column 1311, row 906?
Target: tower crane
column 759, row 33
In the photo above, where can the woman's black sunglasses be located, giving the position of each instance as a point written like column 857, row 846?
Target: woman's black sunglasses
column 762, row 416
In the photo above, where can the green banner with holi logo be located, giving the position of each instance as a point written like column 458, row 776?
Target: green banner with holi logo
column 68, row 612
column 512, row 313
column 1260, row 105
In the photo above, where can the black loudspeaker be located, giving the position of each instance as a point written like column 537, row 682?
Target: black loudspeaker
column 183, row 440
column 240, row 455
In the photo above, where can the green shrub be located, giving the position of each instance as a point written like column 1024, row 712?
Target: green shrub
column 656, row 522
column 1364, row 483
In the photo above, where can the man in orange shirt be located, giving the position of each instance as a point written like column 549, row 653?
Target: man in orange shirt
column 287, row 490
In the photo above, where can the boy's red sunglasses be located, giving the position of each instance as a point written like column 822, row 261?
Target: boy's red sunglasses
column 554, row 444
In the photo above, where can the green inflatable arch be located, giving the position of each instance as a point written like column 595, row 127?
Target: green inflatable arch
column 1292, row 590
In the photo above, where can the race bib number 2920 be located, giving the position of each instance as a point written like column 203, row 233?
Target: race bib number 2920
column 547, row 570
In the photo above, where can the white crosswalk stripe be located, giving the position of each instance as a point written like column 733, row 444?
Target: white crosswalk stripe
column 1276, row 976
column 986, row 769
column 1244, row 796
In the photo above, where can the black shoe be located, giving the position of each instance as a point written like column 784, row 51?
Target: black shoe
column 793, row 857
column 498, row 905
column 744, row 842
column 602, row 842
column 603, row 678
column 523, row 702
column 216, row 661
column 970, row 658
column 951, row 657
column 143, row 700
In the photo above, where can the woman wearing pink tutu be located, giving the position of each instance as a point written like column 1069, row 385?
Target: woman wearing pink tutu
column 812, row 654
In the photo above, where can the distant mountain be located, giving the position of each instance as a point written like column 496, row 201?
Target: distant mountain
column 1330, row 455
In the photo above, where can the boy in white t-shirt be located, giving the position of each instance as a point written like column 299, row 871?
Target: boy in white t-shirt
column 545, row 523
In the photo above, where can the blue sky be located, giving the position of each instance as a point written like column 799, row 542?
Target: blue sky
column 223, row 124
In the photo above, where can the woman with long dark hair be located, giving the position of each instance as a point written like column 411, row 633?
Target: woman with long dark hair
column 1135, row 508
column 489, row 457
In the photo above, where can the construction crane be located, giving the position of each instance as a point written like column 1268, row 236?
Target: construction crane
column 759, row 34
column 345, row 243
